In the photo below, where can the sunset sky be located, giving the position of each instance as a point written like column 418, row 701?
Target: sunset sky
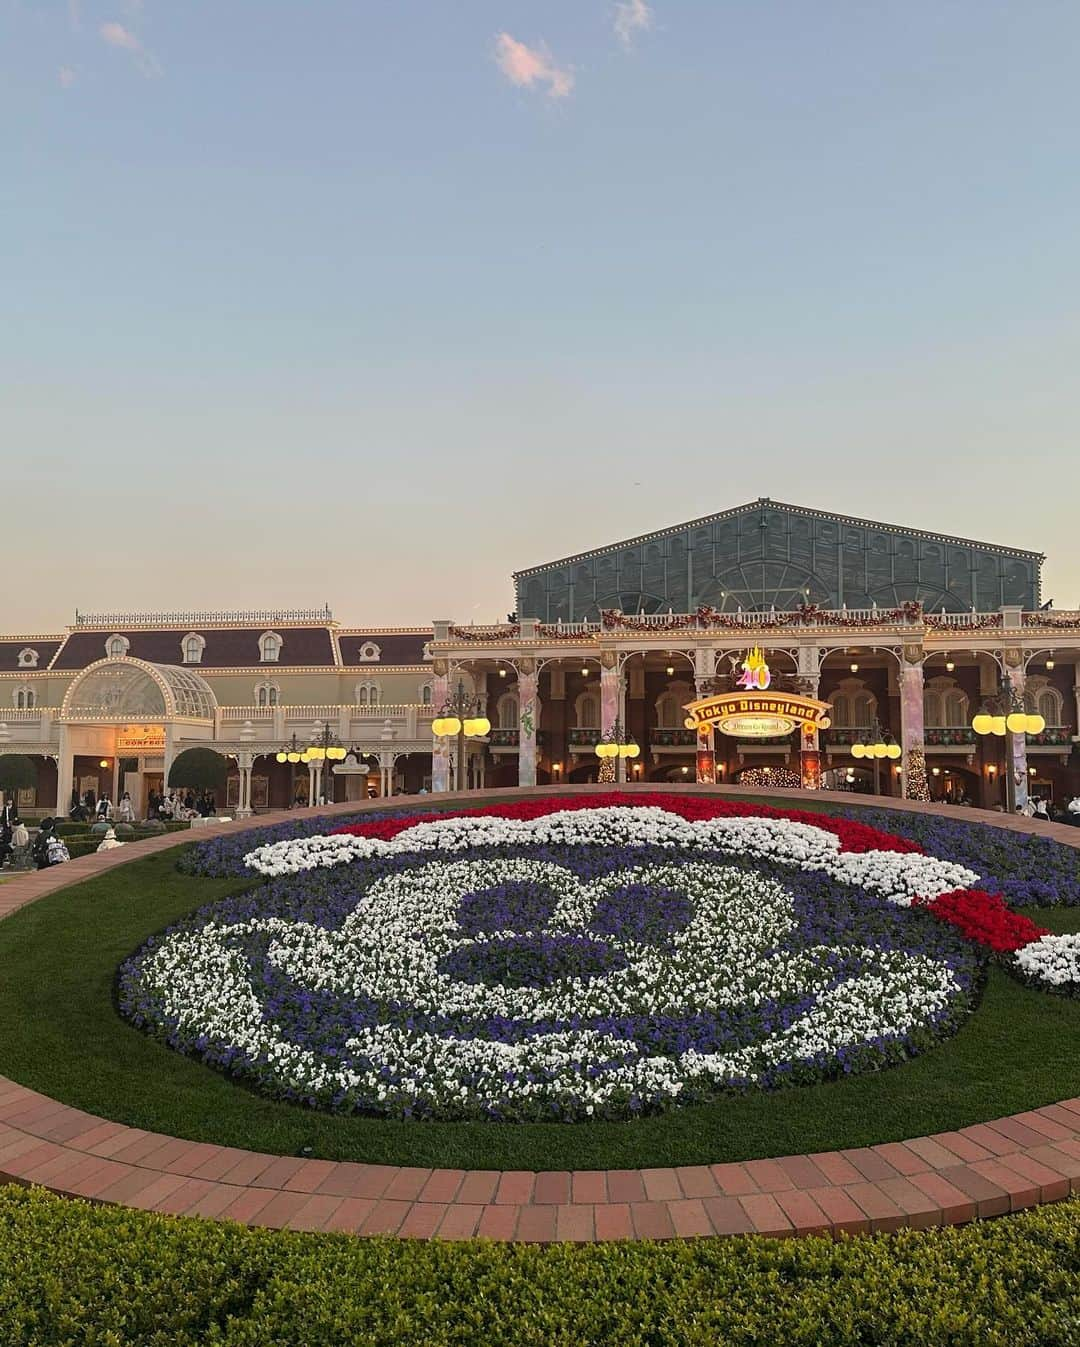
column 371, row 303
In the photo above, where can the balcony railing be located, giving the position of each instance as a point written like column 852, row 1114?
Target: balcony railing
column 673, row 738
column 262, row 617
column 938, row 736
column 503, row 738
column 1053, row 735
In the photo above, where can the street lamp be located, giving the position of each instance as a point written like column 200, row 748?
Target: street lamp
column 612, row 746
column 325, row 747
column 459, row 716
column 877, row 746
column 1003, row 716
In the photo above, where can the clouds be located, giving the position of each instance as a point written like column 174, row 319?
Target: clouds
column 532, row 67
column 631, row 17
column 116, row 35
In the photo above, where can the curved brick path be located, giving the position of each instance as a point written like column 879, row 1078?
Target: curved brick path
column 984, row 1170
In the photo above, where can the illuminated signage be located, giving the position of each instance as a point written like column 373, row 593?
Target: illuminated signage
column 756, row 675
column 757, row 715
column 140, row 739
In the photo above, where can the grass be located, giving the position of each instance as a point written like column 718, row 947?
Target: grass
column 60, row 1033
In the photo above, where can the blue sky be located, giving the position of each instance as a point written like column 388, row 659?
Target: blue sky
column 373, row 302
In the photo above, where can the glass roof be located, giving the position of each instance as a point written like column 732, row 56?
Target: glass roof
column 132, row 688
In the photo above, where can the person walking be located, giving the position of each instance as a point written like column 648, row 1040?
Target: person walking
column 125, row 809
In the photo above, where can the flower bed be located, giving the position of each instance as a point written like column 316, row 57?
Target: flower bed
column 565, row 959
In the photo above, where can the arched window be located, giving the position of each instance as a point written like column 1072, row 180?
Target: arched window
column 25, row 699
column 193, row 648
column 269, row 647
column 853, row 705
column 1040, row 696
column 945, row 705
column 425, row 695
column 668, row 712
column 507, row 711
column 588, row 711
column 267, row 694
column 368, row 694
column 117, row 646
column 28, row 658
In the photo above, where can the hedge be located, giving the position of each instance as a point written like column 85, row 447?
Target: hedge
column 111, row 1277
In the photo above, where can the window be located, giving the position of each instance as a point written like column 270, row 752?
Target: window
column 853, row 706
column 369, row 653
column 194, row 645
column 267, row 694
column 1042, row 698
column 588, row 711
column 367, row 694
column 508, row 711
column 945, row 706
column 425, row 695
column 667, row 712
column 25, row 699
column 117, row 646
column 28, row 659
column 269, row 647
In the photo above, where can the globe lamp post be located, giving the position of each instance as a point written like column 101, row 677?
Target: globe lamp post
column 1003, row 717
column 460, row 717
column 612, row 746
column 878, row 746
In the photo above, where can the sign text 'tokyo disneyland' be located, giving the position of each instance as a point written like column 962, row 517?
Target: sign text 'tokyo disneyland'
column 756, row 713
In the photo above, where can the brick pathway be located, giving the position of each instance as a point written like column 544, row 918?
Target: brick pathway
column 984, row 1170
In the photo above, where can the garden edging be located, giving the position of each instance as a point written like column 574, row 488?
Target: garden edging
column 983, row 1170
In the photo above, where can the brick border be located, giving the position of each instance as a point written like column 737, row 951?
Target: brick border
column 984, row 1170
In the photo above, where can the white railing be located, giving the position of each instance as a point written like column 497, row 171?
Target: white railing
column 26, row 716
column 241, row 713
column 255, row 617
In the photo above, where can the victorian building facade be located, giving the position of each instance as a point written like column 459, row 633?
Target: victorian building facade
column 600, row 639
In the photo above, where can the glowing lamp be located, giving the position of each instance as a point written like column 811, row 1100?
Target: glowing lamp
column 469, row 726
column 633, row 750
column 1050, row 664
column 983, row 723
column 1035, row 724
column 824, row 722
column 998, row 726
column 689, row 723
column 670, row 670
column 1016, row 722
column 881, row 750
column 104, row 762
column 893, row 751
column 281, row 757
column 858, row 750
column 305, row 756
column 293, row 757
column 483, row 725
column 950, row 665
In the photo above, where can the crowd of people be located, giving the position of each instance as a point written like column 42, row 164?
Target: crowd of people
column 174, row 807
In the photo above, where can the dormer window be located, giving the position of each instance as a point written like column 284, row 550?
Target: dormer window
column 369, row 653
column 28, row 659
column 116, row 647
column 193, row 648
column 269, row 647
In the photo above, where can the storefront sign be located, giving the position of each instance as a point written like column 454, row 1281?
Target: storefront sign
column 140, row 739
column 757, row 715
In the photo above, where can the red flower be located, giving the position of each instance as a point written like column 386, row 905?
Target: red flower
column 853, row 836
column 984, row 918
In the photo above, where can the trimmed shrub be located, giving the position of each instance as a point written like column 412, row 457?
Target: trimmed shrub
column 198, row 769
column 106, row 1275
column 16, row 773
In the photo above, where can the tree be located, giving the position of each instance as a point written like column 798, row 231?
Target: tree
column 16, row 773
column 198, row 769
column 916, row 786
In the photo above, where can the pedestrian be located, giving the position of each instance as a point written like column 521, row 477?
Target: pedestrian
column 40, row 850
column 109, row 841
column 20, row 843
column 1040, row 810
column 56, row 852
column 125, row 809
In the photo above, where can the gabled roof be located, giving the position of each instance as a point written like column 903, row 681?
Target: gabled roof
column 761, row 501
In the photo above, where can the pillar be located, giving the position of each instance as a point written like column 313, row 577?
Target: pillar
column 1019, row 763
column 440, row 747
column 706, row 739
column 65, row 774
column 911, row 710
column 528, row 710
column 810, row 745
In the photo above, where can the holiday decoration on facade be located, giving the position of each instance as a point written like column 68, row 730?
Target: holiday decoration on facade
column 916, row 786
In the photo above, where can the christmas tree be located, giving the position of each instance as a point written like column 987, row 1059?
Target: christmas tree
column 916, row 786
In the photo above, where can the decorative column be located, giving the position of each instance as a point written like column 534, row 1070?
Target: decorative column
column 440, row 748
column 706, row 735
column 809, row 744
column 244, row 761
column 610, row 690
column 911, row 723
column 65, row 774
column 528, row 710
column 1019, row 763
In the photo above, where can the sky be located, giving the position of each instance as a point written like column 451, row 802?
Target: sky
column 372, row 302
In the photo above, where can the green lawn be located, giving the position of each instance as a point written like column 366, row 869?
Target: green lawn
column 60, row 1033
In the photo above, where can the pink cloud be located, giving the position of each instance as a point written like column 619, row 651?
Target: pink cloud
column 116, row 35
column 529, row 67
column 631, row 16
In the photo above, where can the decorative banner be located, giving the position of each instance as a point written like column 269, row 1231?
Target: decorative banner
column 140, row 739
column 757, row 715
column 810, row 764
